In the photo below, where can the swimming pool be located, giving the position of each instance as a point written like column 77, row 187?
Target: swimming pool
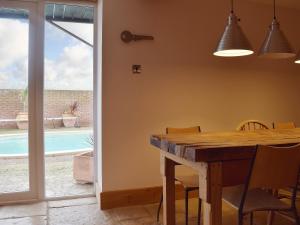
column 55, row 142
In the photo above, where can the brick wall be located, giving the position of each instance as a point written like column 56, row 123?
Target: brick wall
column 55, row 103
column 10, row 106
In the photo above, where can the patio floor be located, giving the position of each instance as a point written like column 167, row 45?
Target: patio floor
column 14, row 173
column 58, row 172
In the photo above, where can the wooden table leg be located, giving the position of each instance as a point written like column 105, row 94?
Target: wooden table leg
column 167, row 168
column 210, row 190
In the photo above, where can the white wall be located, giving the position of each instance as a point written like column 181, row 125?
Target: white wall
column 182, row 84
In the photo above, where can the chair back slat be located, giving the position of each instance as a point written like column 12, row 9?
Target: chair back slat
column 284, row 125
column 275, row 167
column 251, row 125
column 172, row 130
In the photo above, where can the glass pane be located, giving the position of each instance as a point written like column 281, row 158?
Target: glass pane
column 14, row 35
column 68, row 100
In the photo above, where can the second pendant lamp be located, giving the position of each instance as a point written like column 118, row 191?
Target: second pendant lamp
column 276, row 45
column 297, row 60
column 233, row 42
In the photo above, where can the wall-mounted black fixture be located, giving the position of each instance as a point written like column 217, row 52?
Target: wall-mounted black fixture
column 136, row 69
column 127, row 36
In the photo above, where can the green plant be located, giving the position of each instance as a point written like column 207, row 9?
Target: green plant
column 90, row 140
column 24, row 98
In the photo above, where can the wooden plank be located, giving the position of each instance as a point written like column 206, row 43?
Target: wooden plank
column 220, row 146
column 210, row 186
column 212, row 207
column 140, row 196
column 168, row 174
column 122, row 198
column 223, row 154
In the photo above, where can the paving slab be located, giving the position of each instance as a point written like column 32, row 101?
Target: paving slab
column 133, row 212
column 35, row 220
column 80, row 215
column 25, row 210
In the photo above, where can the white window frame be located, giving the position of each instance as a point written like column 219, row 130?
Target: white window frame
column 34, row 67
column 36, row 108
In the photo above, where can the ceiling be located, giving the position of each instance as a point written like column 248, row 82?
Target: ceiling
column 295, row 4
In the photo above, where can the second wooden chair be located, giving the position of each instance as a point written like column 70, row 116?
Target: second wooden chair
column 284, row 125
column 272, row 168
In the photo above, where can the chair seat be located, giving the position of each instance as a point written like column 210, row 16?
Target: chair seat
column 256, row 199
column 188, row 181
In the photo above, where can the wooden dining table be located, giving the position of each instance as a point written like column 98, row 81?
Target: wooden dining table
column 220, row 158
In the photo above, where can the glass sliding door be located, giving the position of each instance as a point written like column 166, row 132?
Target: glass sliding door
column 68, row 100
column 17, row 90
column 46, row 93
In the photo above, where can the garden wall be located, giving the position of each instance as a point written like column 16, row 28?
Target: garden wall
column 55, row 102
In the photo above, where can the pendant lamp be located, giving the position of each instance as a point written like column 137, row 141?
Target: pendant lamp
column 276, row 45
column 298, row 59
column 233, row 42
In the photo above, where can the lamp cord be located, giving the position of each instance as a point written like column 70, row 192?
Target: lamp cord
column 274, row 8
column 231, row 6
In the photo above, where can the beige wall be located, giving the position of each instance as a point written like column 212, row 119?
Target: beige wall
column 182, row 84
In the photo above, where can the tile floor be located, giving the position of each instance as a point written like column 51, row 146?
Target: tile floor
column 85, row 211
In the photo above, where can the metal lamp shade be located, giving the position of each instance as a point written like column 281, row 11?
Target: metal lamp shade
column 276, row 45
column 233, row 42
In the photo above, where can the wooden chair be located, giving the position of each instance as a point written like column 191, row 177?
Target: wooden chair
column 189, row 182
column 251, row 125
column 285, row 193
column 284, row 125
column 272, row 168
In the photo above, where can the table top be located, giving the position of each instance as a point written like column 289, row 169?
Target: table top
column 221, row 146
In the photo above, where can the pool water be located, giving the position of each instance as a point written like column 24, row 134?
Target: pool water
column 68, row 141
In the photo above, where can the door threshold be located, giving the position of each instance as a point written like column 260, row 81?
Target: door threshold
column 30, row 201
column 69, row 197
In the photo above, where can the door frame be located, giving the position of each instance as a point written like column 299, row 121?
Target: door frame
column 35, row 84
column 36, row 101
column 96, row 95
